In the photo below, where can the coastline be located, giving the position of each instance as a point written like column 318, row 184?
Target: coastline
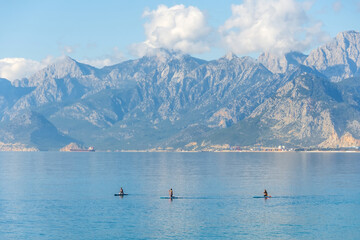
column 234, row 151
column 189, row 151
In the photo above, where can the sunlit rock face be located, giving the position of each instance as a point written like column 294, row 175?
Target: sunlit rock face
column 168, row 99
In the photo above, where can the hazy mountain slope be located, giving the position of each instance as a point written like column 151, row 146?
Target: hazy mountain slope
column 281, row 64
column 168, row 99
column 9, row 94
column 63, row 81
column 308, row 111
column 172, row 100
column 34, row 130
column 298, row 113
column 347, row 115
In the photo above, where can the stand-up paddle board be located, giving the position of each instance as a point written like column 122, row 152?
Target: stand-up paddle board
column 262, row 197
column 120, row 194
column 171, row 197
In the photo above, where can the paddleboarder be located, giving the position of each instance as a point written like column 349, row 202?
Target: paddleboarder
column 121, row 191
column 171, row 193
column 265, row 193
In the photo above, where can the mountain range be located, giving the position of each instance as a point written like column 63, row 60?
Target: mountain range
column 174, row 101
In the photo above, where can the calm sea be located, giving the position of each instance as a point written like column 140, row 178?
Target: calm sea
column 54, row 195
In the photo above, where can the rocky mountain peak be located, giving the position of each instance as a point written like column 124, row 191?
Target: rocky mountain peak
column 338, row 59
column 347, row 37
column 64, row 67
column 169, row 99
column 280, row 63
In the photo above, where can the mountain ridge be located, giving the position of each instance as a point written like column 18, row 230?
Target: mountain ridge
column 168, row 100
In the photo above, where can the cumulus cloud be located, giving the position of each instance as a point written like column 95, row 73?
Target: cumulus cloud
column 276, row 26
column 16, row 68
column 178, row 28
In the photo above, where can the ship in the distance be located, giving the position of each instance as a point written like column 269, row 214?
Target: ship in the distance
column 90, row 149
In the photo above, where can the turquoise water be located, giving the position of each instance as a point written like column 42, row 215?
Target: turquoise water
column 53, row 195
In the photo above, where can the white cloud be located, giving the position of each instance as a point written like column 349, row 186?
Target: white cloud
column 107, row 60
column 178, row 27
column 16, row 68
column 275, row 26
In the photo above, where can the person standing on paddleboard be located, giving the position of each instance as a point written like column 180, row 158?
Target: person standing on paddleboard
column 265, row 193
column 121, row 191
column 171, row 194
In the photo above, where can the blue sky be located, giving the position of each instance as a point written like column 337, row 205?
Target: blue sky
column 35, row 33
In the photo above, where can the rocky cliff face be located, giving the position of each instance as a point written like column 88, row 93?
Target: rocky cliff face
column 170, row 100
column 339, row 59
column 301, row 111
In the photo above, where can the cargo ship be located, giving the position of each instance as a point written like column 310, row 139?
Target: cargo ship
column 90, row 149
